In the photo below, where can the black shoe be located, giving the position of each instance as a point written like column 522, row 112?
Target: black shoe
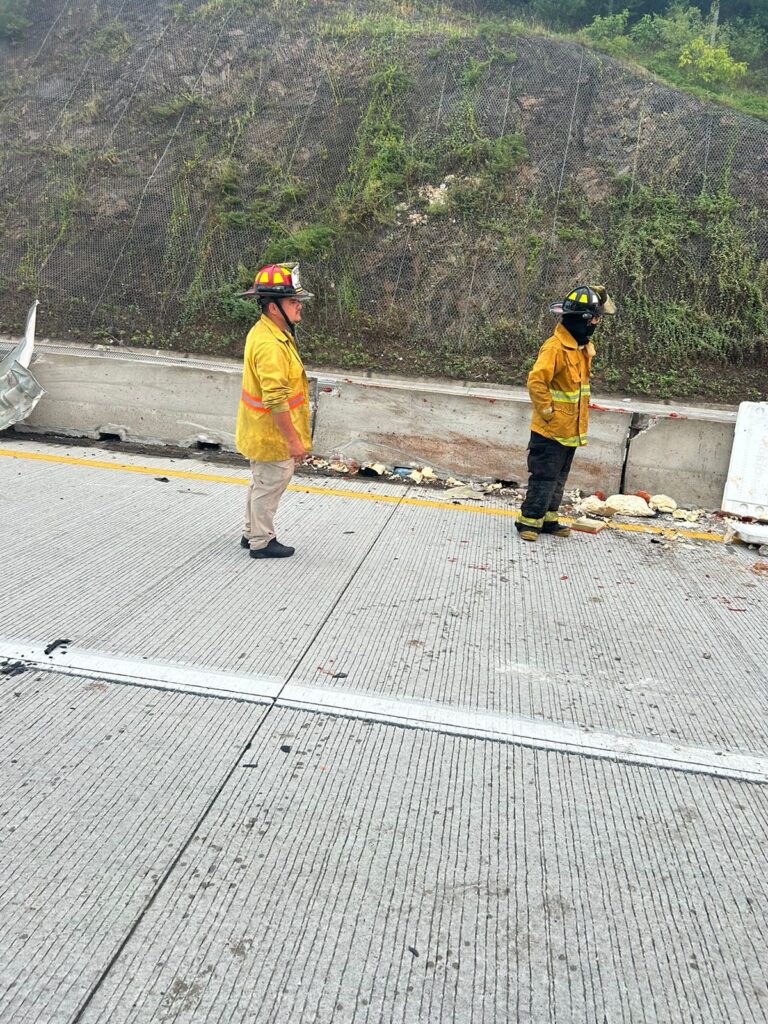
column 273, row 550
column 244, row 542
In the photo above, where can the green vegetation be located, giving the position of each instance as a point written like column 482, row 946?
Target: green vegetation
column 13, row 18
column 693, row 47
column 218, row 8
column 174, row 106
column 111, row 40
column 416, row 171
column 382, row 161
column 307, row 243
column 695, row 289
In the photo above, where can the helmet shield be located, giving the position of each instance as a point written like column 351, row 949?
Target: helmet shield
column 278, row 281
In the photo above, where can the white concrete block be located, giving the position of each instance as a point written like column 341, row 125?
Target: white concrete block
column 746, row 486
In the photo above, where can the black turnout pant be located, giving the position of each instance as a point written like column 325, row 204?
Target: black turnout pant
column 549, row 464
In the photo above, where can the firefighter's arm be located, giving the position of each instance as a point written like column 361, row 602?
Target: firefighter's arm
column 272, row 366
column 540, row 380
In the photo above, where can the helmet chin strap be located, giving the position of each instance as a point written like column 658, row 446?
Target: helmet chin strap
column 291, row 327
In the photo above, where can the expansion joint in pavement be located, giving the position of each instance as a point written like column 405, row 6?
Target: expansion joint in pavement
column 474, row 723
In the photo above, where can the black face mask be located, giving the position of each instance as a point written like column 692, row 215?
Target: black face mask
column 579, row 328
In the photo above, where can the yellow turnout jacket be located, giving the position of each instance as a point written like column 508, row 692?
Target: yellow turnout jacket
column 273, row 381
column 559, row 388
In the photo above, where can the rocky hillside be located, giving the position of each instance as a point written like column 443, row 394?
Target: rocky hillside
column 440, row 177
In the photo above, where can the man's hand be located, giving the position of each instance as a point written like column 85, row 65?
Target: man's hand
column 293, row 442
column 547, row 414
column 296, row 450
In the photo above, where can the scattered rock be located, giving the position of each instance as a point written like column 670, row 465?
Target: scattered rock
column 595, row 506
column 629, row 505
column 662, row 503
column 463, row 492
column 688, row 515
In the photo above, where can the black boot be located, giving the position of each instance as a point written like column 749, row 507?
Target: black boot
column 244, row 542
column 273, row 550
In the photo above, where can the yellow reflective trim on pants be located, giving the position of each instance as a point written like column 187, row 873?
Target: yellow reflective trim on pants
column 535, row 523
column 551, row 517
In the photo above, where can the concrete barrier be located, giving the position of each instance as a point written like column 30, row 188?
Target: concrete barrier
column 461, row 431
column 149, row 397
column 467, row 431
column 682, row 452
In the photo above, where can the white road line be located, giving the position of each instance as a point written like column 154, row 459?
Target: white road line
column 535, row 733
column 77, row 661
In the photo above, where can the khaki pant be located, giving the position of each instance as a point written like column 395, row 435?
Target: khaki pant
column 265, row 490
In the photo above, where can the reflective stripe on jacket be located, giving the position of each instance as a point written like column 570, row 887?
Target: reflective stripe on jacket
column 559, row 381
column 273, row 381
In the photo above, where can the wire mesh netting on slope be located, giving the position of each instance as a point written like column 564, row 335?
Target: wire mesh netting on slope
column 440, row 178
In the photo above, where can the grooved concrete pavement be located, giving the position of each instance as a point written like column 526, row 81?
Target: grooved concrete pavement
column 156, row 868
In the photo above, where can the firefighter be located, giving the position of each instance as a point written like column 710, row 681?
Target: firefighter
column 559, row 388
column 273, row 430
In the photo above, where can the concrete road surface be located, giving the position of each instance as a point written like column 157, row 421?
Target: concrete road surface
column 419, row 772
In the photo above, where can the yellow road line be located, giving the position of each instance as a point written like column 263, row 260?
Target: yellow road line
column 178, row 474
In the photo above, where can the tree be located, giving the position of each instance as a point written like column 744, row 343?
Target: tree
column 710, row 65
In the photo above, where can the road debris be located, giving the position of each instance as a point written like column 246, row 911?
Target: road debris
column 752, row 533
column 19, row 390
column 596, row 506
column 55, row 644
column 629, row 505
column 662, row 503
column 688, row 515
column 760, row 568
column 12, row 668
column 586, row 525
column 464, row 492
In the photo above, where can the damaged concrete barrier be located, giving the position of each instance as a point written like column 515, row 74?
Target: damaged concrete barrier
column 464, row 431
column 135, row 396
column 460, row 430
column 681, row 451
